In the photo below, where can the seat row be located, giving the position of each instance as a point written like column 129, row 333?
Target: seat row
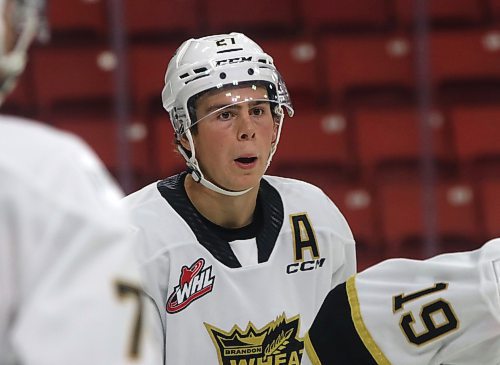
column 366, row 145
column 190, row 17
column 393, row 217
column 333, row 69
column 374, row 138
column 387, row 212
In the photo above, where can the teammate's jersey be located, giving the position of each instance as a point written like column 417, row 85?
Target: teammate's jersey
column 445, row 310
column 68, row 280
column 213, row 309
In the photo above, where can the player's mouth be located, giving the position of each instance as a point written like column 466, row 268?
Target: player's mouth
column 246, row 162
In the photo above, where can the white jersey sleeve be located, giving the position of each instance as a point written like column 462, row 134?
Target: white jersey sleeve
column 69, row 285
column 441, row 311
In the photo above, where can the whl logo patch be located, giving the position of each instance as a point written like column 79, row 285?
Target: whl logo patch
column 275, row 343
column 194, row 282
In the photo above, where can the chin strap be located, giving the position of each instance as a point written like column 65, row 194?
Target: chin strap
column 197, row 175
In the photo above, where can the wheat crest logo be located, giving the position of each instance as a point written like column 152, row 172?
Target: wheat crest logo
column 276, row 343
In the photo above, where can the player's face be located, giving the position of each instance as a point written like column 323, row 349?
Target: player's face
column 233, row 144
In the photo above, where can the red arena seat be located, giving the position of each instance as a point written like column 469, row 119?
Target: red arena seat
column 476, row 132
column 297, row 61
column 356, row 204
column 386, row 137
column 489, row 190
column 228, row 15
column 101, row 133
column 82, row 16
column 462, row 56
column 495, row 8
column 377, row 61
column 314, row 138
column 401, row 210
column 320, row 14
column 443, row 11
column 153, row 17
column 79, row 73
column 166, row 160
column 21, row 99
column 148, row 64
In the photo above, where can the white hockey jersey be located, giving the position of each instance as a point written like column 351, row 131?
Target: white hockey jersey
column 442, row 311
column 216, row 311
column 68, row 279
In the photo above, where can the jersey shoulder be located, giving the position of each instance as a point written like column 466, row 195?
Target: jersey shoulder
column 297, row 192
column 55, row 165
column 299, row 196
column 154, row 221
column 25, row 143
column 147, row 195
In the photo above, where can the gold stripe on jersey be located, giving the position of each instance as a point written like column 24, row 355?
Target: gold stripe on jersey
column 359, row 324
column 311, row 352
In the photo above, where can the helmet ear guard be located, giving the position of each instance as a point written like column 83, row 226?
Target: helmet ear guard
column 216, row 63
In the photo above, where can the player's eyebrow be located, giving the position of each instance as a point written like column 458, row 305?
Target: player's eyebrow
column 215, row 107
column 258, row 102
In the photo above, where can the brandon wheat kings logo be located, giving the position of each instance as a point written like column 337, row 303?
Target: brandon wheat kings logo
column 276, row 343
column 194, row 283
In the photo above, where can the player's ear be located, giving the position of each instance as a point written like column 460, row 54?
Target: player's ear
column 183, row 141
column 275, row 132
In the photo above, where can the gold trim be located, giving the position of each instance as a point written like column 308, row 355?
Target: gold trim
column 359, row 324
column 311, row 352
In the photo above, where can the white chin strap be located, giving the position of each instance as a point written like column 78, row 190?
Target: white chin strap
column 197, row 174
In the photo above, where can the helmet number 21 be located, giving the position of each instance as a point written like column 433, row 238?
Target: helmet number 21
column 225, row 42
column 436, row 317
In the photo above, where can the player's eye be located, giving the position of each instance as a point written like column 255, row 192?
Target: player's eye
column 258, row 111
column 225, row 115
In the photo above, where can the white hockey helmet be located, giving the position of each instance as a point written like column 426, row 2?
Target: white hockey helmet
column 20, row 22
column 216, row 62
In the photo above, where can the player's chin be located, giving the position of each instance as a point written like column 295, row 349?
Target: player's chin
column 255, row 171
column 246, row 180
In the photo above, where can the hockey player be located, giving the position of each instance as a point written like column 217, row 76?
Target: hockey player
column 445, row 310
column 69, row 286
column 238, row 263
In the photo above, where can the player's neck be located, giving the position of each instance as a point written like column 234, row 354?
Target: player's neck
column 225, row 211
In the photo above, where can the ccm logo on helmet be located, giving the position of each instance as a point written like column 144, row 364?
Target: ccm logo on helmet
column 230, row 61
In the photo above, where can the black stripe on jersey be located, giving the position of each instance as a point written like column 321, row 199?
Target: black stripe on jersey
column 215, row 239
column 272, row 215
column 333, row 335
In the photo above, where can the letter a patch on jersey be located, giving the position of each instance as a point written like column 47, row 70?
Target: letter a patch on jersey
column 304, row 238
column 194, row 282
column 305, row 246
